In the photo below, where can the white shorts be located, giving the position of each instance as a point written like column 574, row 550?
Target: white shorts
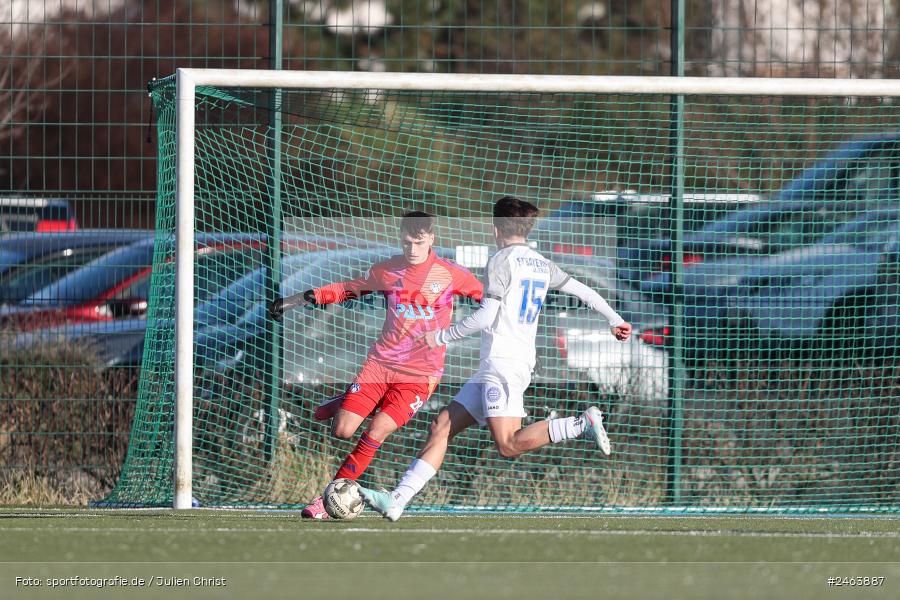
column 497, row 389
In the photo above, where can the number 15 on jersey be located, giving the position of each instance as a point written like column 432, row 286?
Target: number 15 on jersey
column 533, row 292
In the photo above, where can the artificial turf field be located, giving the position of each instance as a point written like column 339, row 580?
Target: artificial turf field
column 262, row 554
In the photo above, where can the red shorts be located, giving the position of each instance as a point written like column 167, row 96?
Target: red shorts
column 399, row 395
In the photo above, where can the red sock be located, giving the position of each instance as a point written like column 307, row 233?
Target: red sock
column 358, row 460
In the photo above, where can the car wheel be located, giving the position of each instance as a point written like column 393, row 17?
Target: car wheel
column 839, row 338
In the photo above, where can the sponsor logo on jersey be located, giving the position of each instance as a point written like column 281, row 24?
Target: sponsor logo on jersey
column 537, row 264
column 493, row 394
column 415, row 311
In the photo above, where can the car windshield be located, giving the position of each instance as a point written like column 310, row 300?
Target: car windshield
column 649, row 221
column 853, row 188
column 826, row 224
column 30, row 277
column 212, row 272
column 872, row 179
column 96, row 277
column 626, row 299
column 600, row 276
column 244, row 294
column 631, row 222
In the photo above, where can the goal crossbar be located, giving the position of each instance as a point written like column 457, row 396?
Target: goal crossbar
column 575, row 84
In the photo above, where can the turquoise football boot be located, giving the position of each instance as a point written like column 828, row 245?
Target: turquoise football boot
column 381, row 502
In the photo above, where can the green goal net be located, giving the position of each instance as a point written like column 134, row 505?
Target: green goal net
column 752, row 241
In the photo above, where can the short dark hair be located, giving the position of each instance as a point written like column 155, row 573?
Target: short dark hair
column 417, row 223
column 514, row 217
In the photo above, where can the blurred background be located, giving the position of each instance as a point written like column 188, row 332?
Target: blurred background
column 74, row 119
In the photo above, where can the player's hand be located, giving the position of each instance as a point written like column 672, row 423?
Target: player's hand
column 622, row 332
column 430, row 338
column 279, row 306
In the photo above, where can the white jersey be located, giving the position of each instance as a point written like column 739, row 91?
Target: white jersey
column 519, row 278
column 517, row 282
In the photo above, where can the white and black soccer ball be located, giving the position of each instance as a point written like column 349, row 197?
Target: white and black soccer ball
column 342, row 499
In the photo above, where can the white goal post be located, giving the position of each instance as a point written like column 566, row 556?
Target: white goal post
column 187, row 81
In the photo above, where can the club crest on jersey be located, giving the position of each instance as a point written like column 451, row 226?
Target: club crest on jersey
column 415, row 311
column 435, row 287
column 354, row 387
column 493, row 394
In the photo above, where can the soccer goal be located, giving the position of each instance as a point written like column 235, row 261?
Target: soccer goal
column 747, row 228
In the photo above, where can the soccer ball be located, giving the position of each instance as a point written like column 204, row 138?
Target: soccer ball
column 342, row 499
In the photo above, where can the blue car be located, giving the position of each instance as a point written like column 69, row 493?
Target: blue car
column 31, row 261
column 860, row 176
column 117, row 284
column 783, row 301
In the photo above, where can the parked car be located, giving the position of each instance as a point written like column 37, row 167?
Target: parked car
column 35, row 214
column 117, row 284
column 865, row 322
column 327, row 345
column 32, row 261
column 121, row 341
column 858, row 177
column 783, row 301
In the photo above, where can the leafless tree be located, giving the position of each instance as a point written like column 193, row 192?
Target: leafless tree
column 20, row 75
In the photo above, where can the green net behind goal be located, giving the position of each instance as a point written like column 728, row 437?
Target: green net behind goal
column 762, row 375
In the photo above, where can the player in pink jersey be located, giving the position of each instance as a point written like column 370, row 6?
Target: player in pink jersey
column 401, row 370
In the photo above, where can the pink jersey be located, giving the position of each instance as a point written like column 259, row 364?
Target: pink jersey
column 419, row 298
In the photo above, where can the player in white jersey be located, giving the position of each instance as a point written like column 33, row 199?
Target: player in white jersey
column 517, row 281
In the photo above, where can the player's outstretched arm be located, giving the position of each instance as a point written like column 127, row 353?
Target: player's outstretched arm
column 328, row 294
column 278, row 307
column 619, row 327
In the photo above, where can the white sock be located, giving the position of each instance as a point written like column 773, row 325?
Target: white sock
column 412, row 482
column 566, row 429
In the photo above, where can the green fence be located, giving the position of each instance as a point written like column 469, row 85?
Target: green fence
column 75, row 122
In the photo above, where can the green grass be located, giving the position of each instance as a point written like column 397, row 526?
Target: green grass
column 275, row 554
